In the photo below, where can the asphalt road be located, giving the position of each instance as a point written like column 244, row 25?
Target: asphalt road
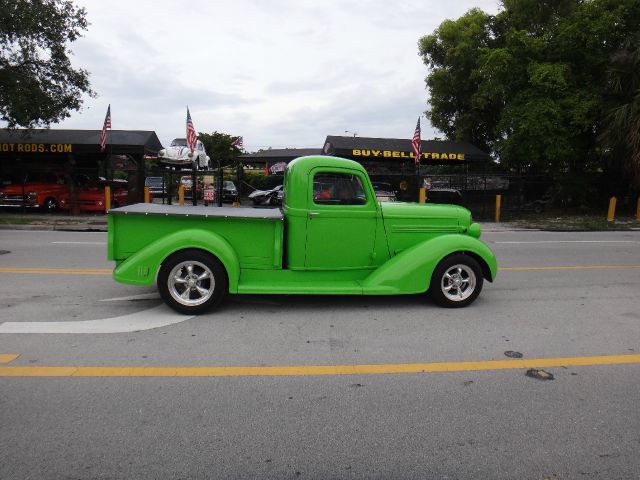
column 559, row 295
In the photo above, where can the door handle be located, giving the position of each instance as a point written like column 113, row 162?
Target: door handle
column 313, row 214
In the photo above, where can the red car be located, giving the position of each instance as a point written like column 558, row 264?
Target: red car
column 36, row 190
column 92, row 198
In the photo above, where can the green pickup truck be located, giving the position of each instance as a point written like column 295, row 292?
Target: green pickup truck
column 330, row 237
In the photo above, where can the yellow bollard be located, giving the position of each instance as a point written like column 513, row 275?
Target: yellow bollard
column 638, row 209
column 498, row 203
column 147, row 196
column 612, row 209
column 107, row 198
column 422, row 195
column 181, row 195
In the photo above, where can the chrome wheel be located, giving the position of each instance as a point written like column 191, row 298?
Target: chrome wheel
column 191, row 283
column 458, row 282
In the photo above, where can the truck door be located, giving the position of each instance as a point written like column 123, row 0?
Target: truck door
column 341, row 222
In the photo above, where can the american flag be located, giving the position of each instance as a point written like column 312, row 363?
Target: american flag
column 192, row 136
column 415, row 143
column 238, row 143
column 107, row 124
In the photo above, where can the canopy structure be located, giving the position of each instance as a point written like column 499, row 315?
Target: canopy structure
column 71, row 153
column 53, row 142
column 434, row 152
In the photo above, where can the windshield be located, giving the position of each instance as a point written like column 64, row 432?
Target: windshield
column 179, row 142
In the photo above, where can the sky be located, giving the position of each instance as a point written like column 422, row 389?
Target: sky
column 279, row 73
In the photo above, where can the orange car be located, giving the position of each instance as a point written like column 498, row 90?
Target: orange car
column 36, row 190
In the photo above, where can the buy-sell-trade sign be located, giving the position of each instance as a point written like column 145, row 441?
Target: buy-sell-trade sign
column 36, row 148
column 360, row 152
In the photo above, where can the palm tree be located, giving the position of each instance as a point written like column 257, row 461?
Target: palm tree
column 621, row 134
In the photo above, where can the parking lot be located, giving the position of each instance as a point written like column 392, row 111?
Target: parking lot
column 101, row 380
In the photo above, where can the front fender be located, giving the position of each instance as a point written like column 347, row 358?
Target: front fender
column 410, row 271
column 142, row 267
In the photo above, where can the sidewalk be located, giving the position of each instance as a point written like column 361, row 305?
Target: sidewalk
column 98, row 223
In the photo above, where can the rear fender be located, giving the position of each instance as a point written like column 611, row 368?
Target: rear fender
column 142, row 267
column 410, row 271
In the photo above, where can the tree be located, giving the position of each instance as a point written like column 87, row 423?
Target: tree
column 219, row 147
column 621, row 133
column 38, row 85
column 529, row 83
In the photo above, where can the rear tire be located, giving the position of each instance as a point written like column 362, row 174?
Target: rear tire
column 457, row 281
column 192, row 282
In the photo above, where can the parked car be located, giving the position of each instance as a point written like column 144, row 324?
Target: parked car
column 178, row 153
column 92, row 198
column 157, row 186
column 34, row 190
column 384, row 192
column 266, row 197
column 229, row 191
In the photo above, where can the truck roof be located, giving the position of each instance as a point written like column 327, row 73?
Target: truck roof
column 303, row 165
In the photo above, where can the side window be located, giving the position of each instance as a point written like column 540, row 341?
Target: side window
column 338, row 189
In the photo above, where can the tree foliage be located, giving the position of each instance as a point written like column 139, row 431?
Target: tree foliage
column 219, row 147
column 38, row 85
column 539, row 83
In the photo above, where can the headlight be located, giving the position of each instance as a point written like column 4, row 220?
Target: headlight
column 190, row 154
column 162, row 153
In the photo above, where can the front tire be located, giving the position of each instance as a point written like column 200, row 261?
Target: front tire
column 456, row 282
column 192, row 282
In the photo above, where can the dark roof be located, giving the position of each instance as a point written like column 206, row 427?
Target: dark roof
column 142, row 139
column 337, row 145
column 281, row 153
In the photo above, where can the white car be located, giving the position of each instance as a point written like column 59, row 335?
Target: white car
column 179, row 154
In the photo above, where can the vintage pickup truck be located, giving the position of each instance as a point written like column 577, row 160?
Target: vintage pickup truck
column 331, row 236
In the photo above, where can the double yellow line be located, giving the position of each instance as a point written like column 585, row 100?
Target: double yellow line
column 57, row 271
column 312, row 370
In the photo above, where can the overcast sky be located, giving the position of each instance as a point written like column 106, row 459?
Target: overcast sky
column 281, row 73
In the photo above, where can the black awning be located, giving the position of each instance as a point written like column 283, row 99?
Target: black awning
column 55, row 142
column 395, row 149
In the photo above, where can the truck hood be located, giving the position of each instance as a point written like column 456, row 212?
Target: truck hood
column 407, row 224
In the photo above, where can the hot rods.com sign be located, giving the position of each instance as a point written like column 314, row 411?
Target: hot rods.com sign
column 36, row 148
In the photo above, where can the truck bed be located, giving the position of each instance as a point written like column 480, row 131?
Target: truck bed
column 256, row 234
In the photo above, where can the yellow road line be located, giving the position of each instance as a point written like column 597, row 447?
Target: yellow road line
column 8, row 357
column 312, row 370
column 108, row 271
column 58, row 271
